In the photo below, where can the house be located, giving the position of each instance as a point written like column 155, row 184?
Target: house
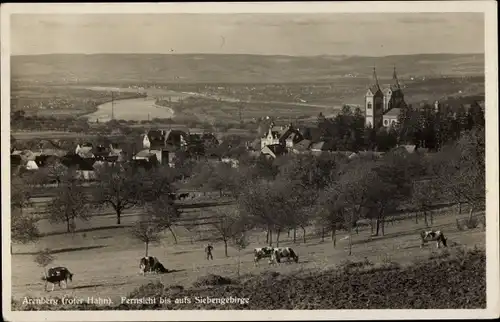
column 85, row 150
column 287, row 136
column 151, row 156
column 233, row 162
column 160, row 139
column 321, row 147
column 31, row 165
column 302, row 147
column 273, row 150
column 391, row 117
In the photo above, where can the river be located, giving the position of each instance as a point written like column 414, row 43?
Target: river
column 136, row 109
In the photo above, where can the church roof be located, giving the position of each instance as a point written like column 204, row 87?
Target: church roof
column 393, row 112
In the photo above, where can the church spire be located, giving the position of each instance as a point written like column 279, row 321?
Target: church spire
column 375, row 79
column 395, row 78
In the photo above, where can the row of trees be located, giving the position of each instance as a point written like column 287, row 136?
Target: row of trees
column 425, row 127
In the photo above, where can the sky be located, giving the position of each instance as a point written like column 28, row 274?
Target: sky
column 368, row 34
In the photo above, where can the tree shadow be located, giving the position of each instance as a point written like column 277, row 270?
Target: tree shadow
column 181, row 252
column 174, row 271
column 85, row 230
column 64, row 250
column 79, row 287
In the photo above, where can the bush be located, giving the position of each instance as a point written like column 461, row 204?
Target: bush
column 472, row 223
column 212, row 280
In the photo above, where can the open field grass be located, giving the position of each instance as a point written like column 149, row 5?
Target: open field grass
column 105, row 261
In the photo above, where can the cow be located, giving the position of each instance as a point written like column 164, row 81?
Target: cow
column 183, row 196
column 151, row 264
column 283, row 252
column 57, row 275
column 262, row 252
column 431, row 235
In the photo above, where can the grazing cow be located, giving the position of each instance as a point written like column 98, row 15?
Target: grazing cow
column 57, row 275
column 151, row 264
column 431, row 235
column 262, row 252
column 284, row 252
column 183, row 196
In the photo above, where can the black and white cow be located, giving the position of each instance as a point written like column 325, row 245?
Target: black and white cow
column 151, row 264
column 280, row 253
column 56, row 275
column 431, row 235
column 262, row 252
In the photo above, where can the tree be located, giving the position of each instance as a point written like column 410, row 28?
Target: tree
column 330, row 211
column 256, row 206
column 163, row 213
column 240, row 242
column 227, row 223
column 147, row 230
column 354, row 190
column 23, row 226
column 43, row 259
column 118, row 187
column 423, row 195
column 71, row 202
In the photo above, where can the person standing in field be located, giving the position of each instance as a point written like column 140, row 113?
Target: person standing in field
column 208, row 250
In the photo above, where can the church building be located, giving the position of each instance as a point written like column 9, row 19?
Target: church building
column 383, row 106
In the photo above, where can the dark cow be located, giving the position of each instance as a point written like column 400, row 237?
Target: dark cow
column 151, row 264
column 431, row 235
column 284, row 252
column 56, row 275
column 262, row 252
column 183, row 196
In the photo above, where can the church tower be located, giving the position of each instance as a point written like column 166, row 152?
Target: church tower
column 395, row 96
column 374, row 103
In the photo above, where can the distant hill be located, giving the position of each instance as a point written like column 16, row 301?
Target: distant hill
column 211, row 68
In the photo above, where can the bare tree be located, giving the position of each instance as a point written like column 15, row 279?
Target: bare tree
column 147, row 230
column 118, row 187
column 255, row 204
column 227, row 223
column 422, row 199
column 43, row 259
column 23, row 226
column 71, row 202
column 163, row 213
column 240, row 242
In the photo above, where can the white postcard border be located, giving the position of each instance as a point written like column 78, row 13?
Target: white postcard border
column 492, row 175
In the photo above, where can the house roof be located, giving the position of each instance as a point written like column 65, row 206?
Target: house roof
column 52, row 152
column 393, row 112
column 322, row 146
column 274, row 150
column 302, row 145
column 145, row 154
column 410, row 148
column 79, row 162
